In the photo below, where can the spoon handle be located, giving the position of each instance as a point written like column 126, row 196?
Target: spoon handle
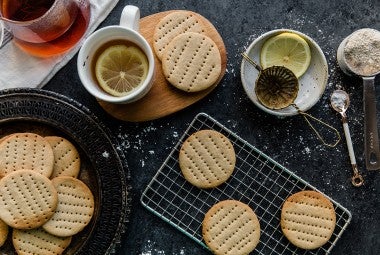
column 350, row 147
column 371, row 138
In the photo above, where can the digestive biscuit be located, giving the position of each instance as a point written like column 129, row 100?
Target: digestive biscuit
column 231, row 227
column 308, row 219
column 207, row 159
column 192, row 62
column 173, row 24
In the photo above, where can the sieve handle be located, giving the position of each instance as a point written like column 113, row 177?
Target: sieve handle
column 251, row 61
column 307, row 116
column 371, row 137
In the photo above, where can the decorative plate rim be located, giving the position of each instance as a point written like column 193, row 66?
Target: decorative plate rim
column 76, row 120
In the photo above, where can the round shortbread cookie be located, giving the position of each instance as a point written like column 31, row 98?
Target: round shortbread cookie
column 75, row 207
column 231, row 227
column 308, row 219
column 3, row 138
column 2, row 173
column 38, row 241
column 192, row 62
column 207, row 159
column 66, row 157
column 3, row 232
column 27, row 199
column 26, row 151
column 173, row 24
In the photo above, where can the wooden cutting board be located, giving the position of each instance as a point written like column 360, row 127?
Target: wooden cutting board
column 164, row 99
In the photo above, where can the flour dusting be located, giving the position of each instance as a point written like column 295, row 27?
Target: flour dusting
column 149, row 249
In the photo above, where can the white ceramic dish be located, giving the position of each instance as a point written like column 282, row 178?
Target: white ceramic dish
column 127, row 30
column 312, row 83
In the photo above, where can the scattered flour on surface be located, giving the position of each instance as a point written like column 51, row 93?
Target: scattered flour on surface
column 148, row 249
column 234, row 123
column 141, row 141
column 307, row 150
column 231, row 69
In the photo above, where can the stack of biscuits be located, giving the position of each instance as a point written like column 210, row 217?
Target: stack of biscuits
column 190, row 59
column 41, row 198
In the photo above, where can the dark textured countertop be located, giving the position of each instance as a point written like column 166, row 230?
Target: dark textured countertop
column 289, row 141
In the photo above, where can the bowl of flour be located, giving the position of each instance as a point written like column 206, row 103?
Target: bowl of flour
column 359, row 53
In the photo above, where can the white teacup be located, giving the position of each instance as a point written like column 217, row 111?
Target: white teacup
column 127, row 30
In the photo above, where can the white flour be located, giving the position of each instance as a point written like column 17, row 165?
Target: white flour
column 362, row 51
column 339, row 101
column 105, row 154
column 149, row 249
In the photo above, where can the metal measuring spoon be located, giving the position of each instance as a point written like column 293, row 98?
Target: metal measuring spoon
column 339, row 102
column 371, row 137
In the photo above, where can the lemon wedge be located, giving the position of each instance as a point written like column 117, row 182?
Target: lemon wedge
column 286, row 49
column 120, row 69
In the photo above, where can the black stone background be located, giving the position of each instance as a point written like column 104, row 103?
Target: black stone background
column 289, row 141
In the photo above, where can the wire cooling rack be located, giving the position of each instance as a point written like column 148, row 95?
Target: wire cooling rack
column 257, row 181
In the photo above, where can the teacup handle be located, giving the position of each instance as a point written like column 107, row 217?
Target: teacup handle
column 130, row 17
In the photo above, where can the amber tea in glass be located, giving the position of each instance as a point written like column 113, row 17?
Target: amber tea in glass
column 45, row 27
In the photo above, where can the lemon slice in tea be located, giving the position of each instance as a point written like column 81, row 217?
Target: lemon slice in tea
column 276, row 87
column 286, row 49
column 120, row 69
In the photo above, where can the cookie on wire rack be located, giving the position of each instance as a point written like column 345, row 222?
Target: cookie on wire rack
column 207, row 159
column 308, row 219
column 231, row 227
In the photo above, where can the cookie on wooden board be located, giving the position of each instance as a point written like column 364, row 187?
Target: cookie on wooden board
column 191, row 62
column 231, row 227
column 308, row 219
column 27, row 199
column 207, row 159
column 173, row 24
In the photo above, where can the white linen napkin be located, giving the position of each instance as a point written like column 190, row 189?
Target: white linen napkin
column 18, row 69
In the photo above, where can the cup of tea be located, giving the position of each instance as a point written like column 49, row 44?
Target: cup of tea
column 46, row 27
column 125, row 36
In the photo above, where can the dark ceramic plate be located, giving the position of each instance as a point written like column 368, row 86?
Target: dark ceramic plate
column 103, row 168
